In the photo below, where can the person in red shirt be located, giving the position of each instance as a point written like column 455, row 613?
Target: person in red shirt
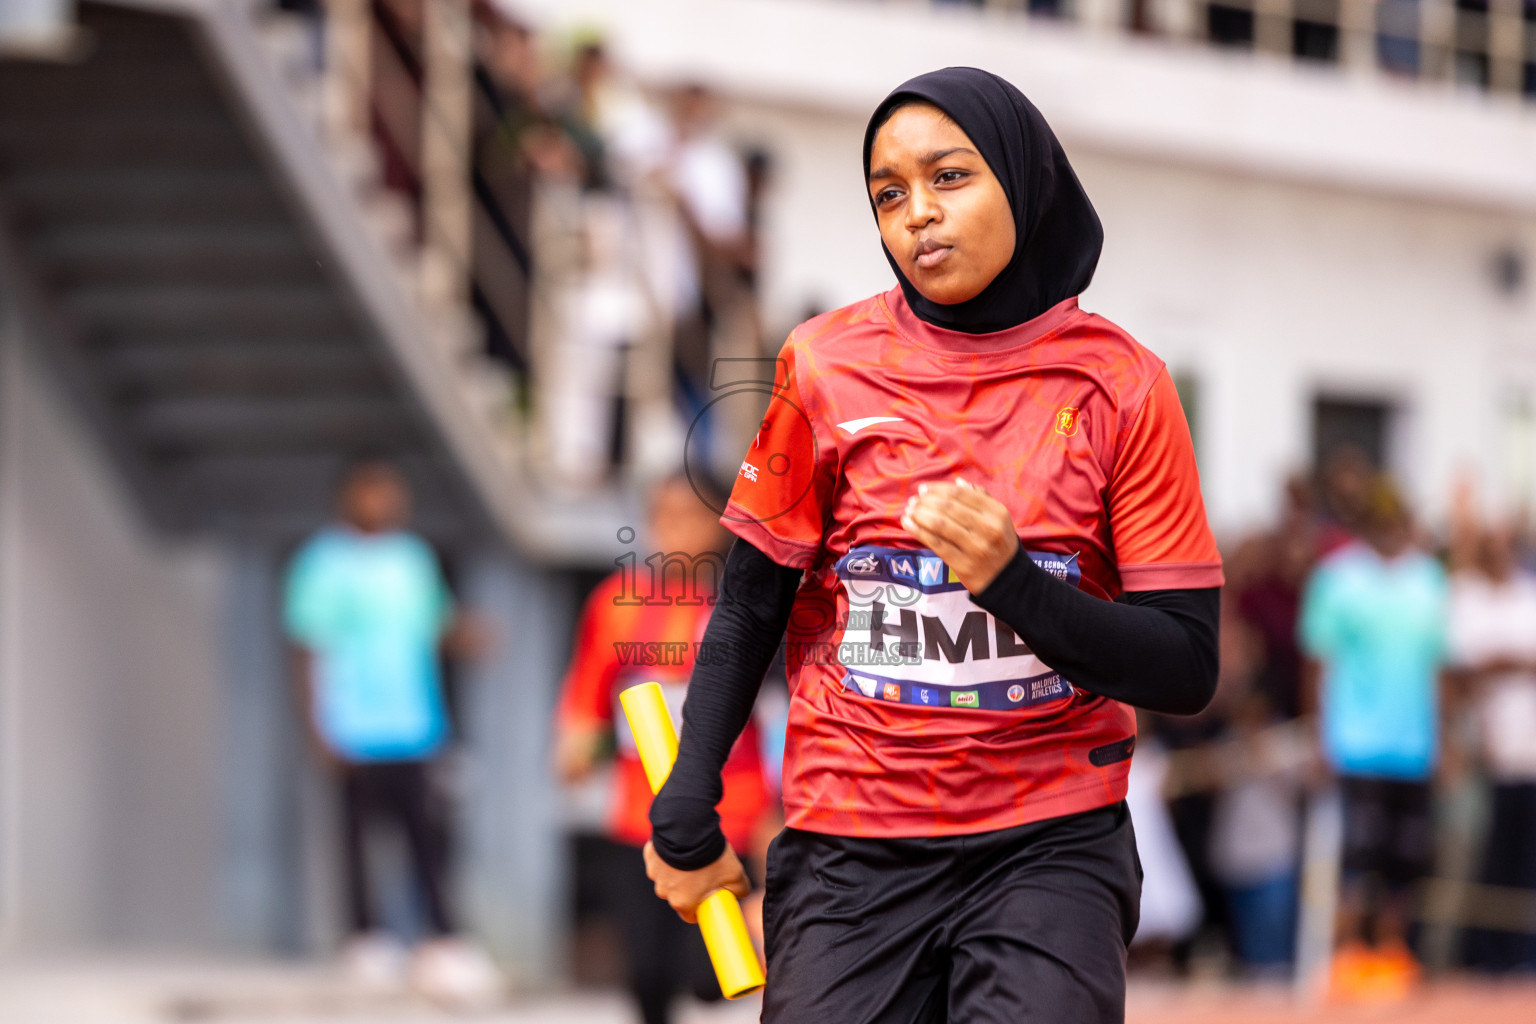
column 974, row 509
column 643, row 623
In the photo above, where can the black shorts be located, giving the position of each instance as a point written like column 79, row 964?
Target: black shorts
column 1388, row 830
column 1021, row 925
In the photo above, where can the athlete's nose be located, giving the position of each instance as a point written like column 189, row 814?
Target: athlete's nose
column 922, row 210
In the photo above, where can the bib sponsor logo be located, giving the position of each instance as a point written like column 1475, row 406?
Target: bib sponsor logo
column 1066, row 421
column 965, row 699
column 1063, row 567
column 863, row 565
column 866, row 685
column 930, row 570
column 1015, row 693
column 903, row 567
column 892, row 691
column 925, row 695
column 1051, row 686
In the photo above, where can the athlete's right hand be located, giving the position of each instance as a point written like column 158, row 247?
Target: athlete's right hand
column 685, row 890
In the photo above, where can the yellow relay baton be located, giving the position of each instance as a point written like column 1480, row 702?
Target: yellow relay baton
column 725, row 932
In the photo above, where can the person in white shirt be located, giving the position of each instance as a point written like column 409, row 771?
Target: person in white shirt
column 1493, row 644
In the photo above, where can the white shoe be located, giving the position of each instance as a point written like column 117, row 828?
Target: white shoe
column 374, row 961
column 457, row 973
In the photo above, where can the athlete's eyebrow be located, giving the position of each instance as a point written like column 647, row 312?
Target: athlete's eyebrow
column 926, row 159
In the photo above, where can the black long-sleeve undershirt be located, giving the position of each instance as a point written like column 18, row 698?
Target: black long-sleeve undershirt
column 1152, row 649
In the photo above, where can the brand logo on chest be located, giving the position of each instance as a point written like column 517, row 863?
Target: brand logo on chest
column 1067, row 418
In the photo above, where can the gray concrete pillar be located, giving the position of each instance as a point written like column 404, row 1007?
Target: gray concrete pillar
column 262, row 890
column 512, row 871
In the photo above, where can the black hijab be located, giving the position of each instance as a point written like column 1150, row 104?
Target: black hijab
column 1058, row 234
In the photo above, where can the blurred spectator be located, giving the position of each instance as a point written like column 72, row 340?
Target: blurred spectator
column 714, row 314
column 1191, row 810
column 1256, row 831
column 516, row 136
column 642, row 624
column 1192, row 787
column 1268, row 599
column 610, row 120
column 1373, row 617
column 1171, row 910
column 759, row 167
column 1344, row 492
column 605, row 309
column 1493, row 644
column 368, row 609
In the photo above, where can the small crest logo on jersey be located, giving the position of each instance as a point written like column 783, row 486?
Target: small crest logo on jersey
column 892, row 691
column 863, row 565
column 1015, row 693
column 865, row 684
column 1066, row 421
column 965, row 699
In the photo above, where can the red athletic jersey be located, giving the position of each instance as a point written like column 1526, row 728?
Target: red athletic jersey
column 622, row 642
column 913, row 711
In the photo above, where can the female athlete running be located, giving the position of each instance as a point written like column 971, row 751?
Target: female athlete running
column 974, row 508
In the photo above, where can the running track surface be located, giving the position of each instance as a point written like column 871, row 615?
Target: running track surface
column 118, row 992
column 1456, row 1002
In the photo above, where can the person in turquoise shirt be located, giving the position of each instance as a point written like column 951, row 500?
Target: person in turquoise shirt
column 1374, row 619
column 370, row 614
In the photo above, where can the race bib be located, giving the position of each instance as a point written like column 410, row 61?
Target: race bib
column 914, row 636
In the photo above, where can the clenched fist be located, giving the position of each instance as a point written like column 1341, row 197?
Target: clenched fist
column 685, row 890
column 964, row 525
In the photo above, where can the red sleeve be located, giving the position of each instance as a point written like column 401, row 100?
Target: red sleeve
column 1156, row 515
column 784, row 486
column 586, row 695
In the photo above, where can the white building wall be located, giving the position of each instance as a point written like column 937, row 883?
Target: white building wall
column 109, row 670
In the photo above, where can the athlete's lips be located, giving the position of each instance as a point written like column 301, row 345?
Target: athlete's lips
column 931, row 252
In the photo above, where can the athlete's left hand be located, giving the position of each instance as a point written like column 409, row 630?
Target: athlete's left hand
column 964, row 525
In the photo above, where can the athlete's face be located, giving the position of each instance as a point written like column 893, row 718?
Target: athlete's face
column 943, row 214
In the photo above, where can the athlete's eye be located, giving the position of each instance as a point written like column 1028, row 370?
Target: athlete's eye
column 951, row 177
column 887, row 195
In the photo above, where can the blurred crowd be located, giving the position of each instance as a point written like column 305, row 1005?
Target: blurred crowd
column 660, row 282
column 614, row 254
column 1367, row 662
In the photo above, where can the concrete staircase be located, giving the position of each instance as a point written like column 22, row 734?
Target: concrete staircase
column 227, row 301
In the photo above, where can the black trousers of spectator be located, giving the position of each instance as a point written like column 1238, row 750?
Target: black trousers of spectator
column 401, row 793
column 1389, row 832
column 1510, row 861
column 666, row 955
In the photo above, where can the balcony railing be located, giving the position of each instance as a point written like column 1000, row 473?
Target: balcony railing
column 1485, row 44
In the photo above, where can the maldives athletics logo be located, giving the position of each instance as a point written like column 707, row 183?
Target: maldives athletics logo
column 1066, row 420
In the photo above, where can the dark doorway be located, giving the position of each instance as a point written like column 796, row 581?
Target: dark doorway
column 1360, row 423
column 1229, row 26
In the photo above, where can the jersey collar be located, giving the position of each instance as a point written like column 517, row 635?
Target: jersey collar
column 929, row 336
